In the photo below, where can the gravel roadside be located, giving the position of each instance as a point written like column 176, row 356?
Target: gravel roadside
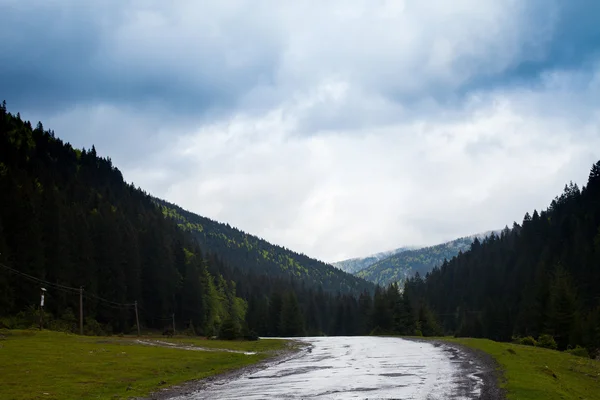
column 472, row 363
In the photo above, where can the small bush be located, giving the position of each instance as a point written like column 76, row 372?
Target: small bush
column 251, row 335
column 230, row 330
column 28, row 318
column 528, row 341
column 60, row 325
column 547, row 342
column 8, row 323
column 66, row 323
column 579, row 351
column 93, row 328
column 418, row 332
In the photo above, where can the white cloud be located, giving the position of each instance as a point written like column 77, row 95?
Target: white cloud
column 349, row 127
column 409, row 181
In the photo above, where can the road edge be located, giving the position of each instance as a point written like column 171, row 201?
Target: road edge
column 188, row 388
column 491, row 373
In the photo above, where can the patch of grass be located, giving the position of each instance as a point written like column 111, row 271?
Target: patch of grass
column 51, row 365
column 533, row 373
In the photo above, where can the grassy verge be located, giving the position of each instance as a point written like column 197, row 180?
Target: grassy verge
column 52, row 365
column 532, row 373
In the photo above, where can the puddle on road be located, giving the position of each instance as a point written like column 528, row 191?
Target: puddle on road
column 358, row 368
column 290, row 371
column 396, row 374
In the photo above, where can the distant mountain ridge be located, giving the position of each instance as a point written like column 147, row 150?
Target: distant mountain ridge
column 354, row 265
column 403, row 264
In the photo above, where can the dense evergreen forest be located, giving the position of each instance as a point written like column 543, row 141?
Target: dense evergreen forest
column 402, row 265
column 248, row 252
column 354, row 265
column 539, row 278
column 69, row 220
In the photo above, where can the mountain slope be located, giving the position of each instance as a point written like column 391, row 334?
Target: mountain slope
column 354, row 265
column 69, row 220
column 400, row 266
column 541, row 277
column 251, row 253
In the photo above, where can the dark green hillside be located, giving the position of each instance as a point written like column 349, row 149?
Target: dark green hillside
column 541, row 277
column 69, row 220
column 250, row 253
column 354, row 265
column 398, row 267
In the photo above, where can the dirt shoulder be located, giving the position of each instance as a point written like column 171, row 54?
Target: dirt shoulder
column 296, row 348
column 473, row 363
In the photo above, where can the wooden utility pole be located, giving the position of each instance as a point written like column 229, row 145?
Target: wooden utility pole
column 137, row 319
column 81, row 310
column 42, row 291
column 173, row 316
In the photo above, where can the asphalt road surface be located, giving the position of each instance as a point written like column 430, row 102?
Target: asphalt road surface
column 360, row 368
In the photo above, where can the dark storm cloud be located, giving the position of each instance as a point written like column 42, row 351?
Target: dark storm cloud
column 336, row 128
column 55, row 55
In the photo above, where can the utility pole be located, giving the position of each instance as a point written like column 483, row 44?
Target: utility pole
column 137, row 319
column 42, row 291
column 81, row 310
column 173, row 316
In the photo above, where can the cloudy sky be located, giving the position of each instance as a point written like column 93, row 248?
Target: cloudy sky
column 336, row 128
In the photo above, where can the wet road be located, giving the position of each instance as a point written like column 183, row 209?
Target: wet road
column 358, row 368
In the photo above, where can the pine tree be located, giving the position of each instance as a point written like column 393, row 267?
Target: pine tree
column 6, row 292
column 563, row 309
column 291, row 323
column 275, row 305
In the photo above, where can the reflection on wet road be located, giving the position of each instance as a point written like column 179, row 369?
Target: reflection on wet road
column 357, row 368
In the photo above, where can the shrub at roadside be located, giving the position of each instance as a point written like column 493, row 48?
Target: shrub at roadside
column 528, row 341
column 230, row 330
column 579, row 351
column 547, row 342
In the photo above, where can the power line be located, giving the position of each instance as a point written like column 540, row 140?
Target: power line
column 152, row 317
column 64, row 288
column 93, row 296
column 57, row 286
column 38, row 280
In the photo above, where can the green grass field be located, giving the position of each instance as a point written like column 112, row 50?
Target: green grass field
column 53, row 365
column 532, row 373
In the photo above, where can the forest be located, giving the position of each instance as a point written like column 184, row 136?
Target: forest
column 69, row 220
column 248, row 252
column 539, row 278
column 398, row 267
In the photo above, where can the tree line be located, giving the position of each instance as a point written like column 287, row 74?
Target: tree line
column 541, row 277
column 67, row 217
column 248, row 252
column 397, row 267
